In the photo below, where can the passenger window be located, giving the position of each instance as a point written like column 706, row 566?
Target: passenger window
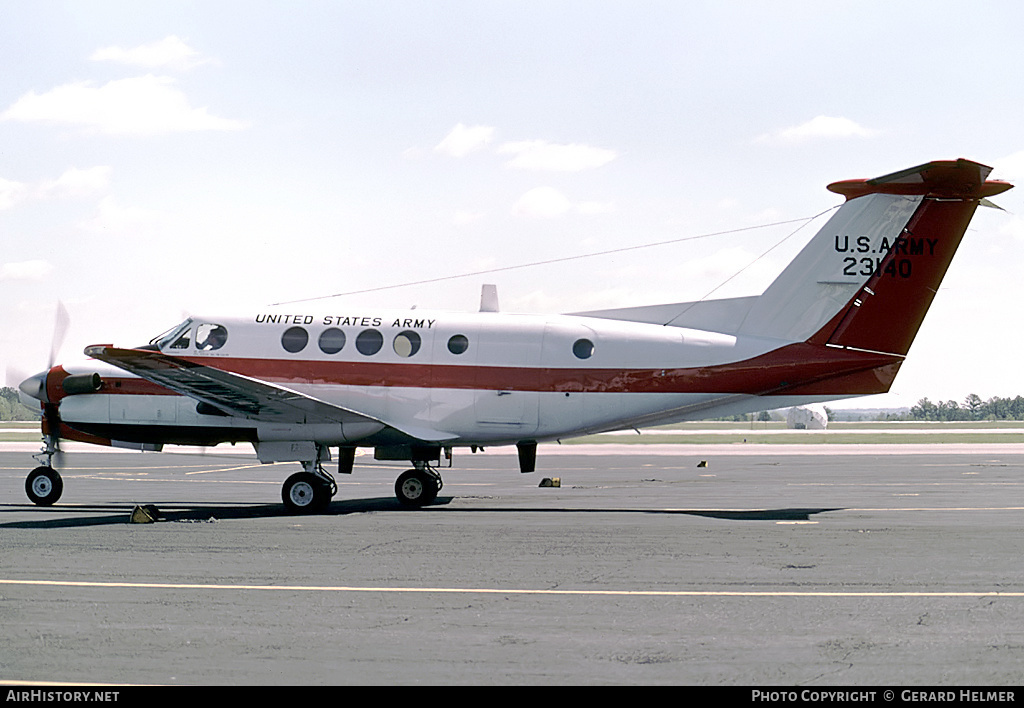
column 583, row 349
column 369, row 342
column 294, row 339
column 331, row 341
column 407, row 344
column 458, row 344
column 209, row 337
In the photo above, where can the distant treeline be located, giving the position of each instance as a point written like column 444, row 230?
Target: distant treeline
column 973, row 408
column 11, row 408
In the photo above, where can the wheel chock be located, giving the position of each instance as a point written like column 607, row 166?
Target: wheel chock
column 144, row 514
column 702, row 463
column 551, row 482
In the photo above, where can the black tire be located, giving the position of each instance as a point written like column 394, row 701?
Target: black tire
column 416, row 488
column 44, row 486
column 305, row 493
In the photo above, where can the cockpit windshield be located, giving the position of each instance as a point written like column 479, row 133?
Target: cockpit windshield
column 174, row 338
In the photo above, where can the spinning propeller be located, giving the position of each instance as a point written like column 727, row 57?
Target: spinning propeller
column 35, row 387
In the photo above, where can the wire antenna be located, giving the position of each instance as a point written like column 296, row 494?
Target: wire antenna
column 803, row 221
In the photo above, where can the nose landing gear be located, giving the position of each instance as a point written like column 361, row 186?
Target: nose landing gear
column 44, row 484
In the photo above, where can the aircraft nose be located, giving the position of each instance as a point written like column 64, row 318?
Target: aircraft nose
column 34, row 388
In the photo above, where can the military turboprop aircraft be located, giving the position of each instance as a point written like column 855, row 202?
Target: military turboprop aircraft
column 837, row 322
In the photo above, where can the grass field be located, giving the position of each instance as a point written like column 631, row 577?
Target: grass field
column 873, row 432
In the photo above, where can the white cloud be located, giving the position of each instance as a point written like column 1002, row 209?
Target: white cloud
column 542, row 203
column 145, row 105
column 1009, row 168
column 170, row 53
column 75, row 182
column 463, row 140
column 25, row 270
column 549, row 203
column 542, row 155
column 11, row 193
column 113, row 219
column 820, row 128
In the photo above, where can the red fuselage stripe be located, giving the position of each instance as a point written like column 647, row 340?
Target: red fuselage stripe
column 778, row 371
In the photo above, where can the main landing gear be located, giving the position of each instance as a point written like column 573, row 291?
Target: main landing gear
column 309, row 491
column 419, row 486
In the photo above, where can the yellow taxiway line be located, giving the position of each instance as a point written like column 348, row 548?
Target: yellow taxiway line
column 512, row 591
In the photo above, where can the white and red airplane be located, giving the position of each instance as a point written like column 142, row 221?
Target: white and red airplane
column 836, row 323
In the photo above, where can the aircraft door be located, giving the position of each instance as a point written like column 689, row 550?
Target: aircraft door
column 507, row 398
column 569, row 348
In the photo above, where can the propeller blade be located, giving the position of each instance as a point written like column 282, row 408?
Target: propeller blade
column 60, row 329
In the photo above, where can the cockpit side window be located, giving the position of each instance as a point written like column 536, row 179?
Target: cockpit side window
column 182, row 341
column 210, row 337
column 174, row 338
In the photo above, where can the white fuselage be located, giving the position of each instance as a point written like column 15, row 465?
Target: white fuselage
column 478, row 378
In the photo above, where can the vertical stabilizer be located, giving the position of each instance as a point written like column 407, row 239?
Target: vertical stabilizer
column 866, row 280
column 823, row 277
column 887, row 311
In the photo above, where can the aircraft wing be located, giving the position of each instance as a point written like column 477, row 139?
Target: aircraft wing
column 239, row 395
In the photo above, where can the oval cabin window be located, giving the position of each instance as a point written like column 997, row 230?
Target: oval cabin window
column 458, row 344
column 369, row 342
column 294, row 339
column 331, row 341
column 583, row 349
column 407, row 343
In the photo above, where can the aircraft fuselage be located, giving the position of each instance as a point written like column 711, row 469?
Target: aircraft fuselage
column 478, row 378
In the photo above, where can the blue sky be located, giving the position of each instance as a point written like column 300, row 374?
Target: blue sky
column 161, row 159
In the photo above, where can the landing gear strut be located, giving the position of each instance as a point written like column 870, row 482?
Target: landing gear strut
column 418, row 487
column 309, row 491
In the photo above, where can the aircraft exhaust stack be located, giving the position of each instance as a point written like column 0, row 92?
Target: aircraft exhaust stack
column 82, row 383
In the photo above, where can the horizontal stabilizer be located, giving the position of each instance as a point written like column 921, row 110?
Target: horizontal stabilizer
column 724, row 315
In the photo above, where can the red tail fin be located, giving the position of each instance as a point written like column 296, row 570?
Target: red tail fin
column 886, row 313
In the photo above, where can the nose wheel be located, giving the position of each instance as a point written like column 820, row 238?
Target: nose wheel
column 44, row 486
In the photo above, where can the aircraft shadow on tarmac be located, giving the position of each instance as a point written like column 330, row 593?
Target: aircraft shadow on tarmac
column 183, row 512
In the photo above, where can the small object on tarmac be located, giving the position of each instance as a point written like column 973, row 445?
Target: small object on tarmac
column 551, row 482
column 702, row 463
column 144, row 514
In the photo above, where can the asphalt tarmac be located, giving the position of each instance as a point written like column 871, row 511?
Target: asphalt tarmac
column 765, row 567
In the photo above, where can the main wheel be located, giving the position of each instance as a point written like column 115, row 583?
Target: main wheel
column 305, row 493
column 416, row 488
column 44, row 486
